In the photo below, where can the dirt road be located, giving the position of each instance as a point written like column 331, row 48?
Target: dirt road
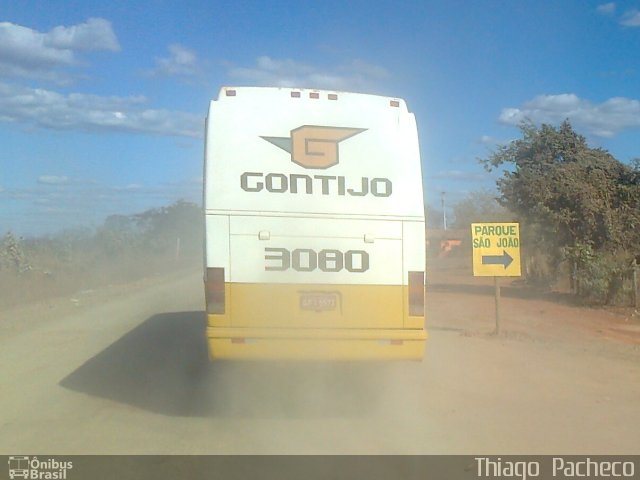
column 125, row 371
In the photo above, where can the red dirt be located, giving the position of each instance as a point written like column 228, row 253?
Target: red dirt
column 459, row 301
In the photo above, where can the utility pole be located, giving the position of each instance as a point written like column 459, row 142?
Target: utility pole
column 444, row 212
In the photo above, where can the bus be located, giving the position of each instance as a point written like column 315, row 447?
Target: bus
column 314, row 226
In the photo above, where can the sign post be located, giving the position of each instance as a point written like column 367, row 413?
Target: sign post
column 497, row 289
column 496, row 253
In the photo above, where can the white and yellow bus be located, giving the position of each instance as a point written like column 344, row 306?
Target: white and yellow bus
column 315, row 233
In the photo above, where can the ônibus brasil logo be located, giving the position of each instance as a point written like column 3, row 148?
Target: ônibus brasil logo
column 315, row 147
column 22, row 466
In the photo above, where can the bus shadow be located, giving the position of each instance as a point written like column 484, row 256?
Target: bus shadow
column 162, row 366
column 156, row 366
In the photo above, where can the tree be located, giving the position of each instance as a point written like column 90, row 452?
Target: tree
column 582, row 203
column 479, row 206
column 157, row 230
column 163, row 226
column 12, row 254
column 433, row 216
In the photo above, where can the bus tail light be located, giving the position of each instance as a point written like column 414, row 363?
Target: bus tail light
column 214, row 290
column 416, row 294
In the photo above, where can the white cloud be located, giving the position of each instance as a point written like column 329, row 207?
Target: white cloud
column 27, row 53
column 604, row 119
column 631, row 18
column 53, row 179
column 78, row 111
column 289, row 73
column 181, row 62
column 606, row 8
column 491, row 141
column 94, row 34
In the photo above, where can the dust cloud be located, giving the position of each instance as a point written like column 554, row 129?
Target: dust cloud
column 162, row 366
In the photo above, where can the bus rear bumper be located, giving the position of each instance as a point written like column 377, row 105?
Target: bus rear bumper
column 315, row 344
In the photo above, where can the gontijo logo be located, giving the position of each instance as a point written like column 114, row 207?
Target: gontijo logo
column 313, row 146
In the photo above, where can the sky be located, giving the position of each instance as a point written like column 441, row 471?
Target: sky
column 102, row 104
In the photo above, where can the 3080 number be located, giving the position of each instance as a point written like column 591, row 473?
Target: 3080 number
column 307, row 260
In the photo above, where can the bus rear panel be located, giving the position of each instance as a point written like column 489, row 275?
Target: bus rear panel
column 314, row 227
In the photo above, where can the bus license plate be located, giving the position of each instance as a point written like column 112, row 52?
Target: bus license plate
column 318, row 302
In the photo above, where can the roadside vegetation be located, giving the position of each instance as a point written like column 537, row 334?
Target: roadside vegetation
column 123, row 248
column 579, row 209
